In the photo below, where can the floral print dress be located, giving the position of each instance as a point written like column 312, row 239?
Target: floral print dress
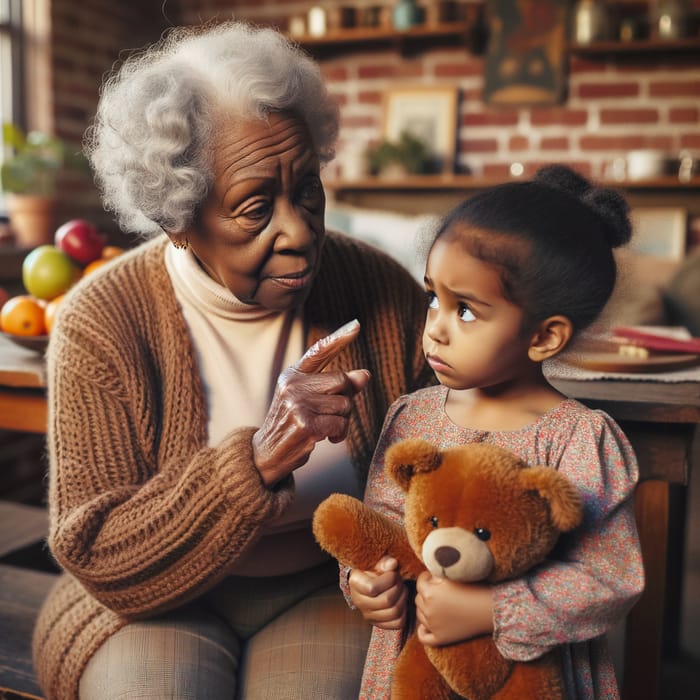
column 570, row 601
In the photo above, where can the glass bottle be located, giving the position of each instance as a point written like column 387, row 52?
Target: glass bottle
column 591, row 22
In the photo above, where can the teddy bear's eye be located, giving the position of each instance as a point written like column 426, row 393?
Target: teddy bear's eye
column 434, row 521
column 482, row 533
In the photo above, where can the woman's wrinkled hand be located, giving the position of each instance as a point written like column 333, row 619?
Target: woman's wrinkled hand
column 309, row 405
column 380, row 594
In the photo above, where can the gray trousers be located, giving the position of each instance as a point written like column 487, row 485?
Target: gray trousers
column 283, row 638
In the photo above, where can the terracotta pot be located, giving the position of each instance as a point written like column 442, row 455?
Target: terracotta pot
column 32, row 219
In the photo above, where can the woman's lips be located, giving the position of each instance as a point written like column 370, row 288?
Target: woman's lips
column 295, row 280
column 437, row 363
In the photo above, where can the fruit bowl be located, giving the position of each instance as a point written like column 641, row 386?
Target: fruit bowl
column 37, row 343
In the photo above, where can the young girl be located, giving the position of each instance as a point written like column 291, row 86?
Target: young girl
column 513, row 273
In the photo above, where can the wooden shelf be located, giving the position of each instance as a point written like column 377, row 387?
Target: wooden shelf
column 422, row 194
column 428, row 183
column 364, row 38
column 636, row 48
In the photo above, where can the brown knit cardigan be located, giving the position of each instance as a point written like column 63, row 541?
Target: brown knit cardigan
column 144, row 516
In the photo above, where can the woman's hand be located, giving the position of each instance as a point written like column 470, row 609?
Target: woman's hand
column 449, row 612
column 380, row 594
column 308, row 406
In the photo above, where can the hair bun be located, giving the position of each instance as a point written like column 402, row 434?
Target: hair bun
column 561, row 177
column 610, row 205
column 613, row 208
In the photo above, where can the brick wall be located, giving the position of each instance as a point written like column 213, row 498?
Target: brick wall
column 86, row 38
column 612, row 106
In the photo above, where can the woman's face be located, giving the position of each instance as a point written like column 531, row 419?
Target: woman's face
column 473, row 335
column 261, row 230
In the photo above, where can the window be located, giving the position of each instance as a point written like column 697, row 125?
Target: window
column 10, row 60
column 10, row 66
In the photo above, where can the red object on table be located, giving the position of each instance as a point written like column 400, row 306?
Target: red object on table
column 655, row 341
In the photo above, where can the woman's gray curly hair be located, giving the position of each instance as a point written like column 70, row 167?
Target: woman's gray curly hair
column 150, row 144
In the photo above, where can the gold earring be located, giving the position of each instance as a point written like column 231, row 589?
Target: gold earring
column 181, row 245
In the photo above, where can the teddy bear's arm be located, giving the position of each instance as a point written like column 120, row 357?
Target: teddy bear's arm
column 358, row 536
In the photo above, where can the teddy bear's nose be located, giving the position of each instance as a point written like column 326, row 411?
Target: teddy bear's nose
column 446, row 556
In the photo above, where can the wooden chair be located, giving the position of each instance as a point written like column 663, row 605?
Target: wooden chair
column 26, row 574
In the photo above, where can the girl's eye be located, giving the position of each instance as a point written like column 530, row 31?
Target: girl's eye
column 465, row 314
column 432, row 300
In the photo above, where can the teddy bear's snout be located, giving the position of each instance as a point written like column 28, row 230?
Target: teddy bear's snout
column 446, row 556
column 457, row 554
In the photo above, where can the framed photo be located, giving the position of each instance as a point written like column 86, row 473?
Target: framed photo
column 659, row 231
column 428, row 113
column 526, row 54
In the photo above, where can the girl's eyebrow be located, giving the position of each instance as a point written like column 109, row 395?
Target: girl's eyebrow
column 471, row 298
column 462, row 296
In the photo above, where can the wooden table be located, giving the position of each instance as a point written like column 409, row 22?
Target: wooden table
column 661, row 421
column 22, row 388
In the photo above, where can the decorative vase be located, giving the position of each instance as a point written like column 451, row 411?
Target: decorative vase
column 406, row 14
column 670, row 19
column 32, row 219
column 591, row 21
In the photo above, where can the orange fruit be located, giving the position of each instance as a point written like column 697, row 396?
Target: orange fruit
column 50, row 311
column 111, row 251
column 22, row 315
column 91, row 267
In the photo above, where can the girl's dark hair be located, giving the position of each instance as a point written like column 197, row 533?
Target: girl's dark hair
column 552, row 237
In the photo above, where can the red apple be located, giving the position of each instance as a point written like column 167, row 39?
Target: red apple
column 80, row 240
column 4, row 296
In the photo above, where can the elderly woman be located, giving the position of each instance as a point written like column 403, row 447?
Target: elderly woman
column 185, row 461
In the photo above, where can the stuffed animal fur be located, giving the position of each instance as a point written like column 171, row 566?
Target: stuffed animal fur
column 472, row 513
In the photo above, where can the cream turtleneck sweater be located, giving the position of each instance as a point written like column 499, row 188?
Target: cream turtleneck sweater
column 233, row 341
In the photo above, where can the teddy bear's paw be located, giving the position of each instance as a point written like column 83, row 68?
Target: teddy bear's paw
column 350, row 531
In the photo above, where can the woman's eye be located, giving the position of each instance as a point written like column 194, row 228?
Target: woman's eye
column 465, row 313
column 311, row 191
column 255, row 211
column 432, row 300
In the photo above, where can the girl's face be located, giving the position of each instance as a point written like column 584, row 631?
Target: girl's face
column 261, row 230
column 473, row 335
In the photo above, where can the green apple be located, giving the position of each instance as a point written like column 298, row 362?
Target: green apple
column 48, row 272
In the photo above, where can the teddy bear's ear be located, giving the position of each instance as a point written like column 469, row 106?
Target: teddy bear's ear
column 565, row 504
column 403, row 460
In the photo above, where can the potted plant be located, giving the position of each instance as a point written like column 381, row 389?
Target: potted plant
column 31, row 165
column 395, row 158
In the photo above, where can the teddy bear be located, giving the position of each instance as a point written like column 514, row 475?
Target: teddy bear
column 475, row 512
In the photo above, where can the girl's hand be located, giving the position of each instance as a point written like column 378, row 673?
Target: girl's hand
column 380, row 594
column 308, row 406
column 449, row 612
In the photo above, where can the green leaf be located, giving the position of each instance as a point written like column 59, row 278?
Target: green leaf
column 35, row 160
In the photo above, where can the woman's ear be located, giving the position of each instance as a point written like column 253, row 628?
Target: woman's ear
column 551, row 336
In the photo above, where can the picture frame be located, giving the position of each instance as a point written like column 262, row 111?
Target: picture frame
column 428, row 113
column 525, row 61
column 659, row 231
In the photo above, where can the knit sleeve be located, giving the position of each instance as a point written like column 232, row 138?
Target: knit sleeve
column 142, row 513
column 598, row 574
